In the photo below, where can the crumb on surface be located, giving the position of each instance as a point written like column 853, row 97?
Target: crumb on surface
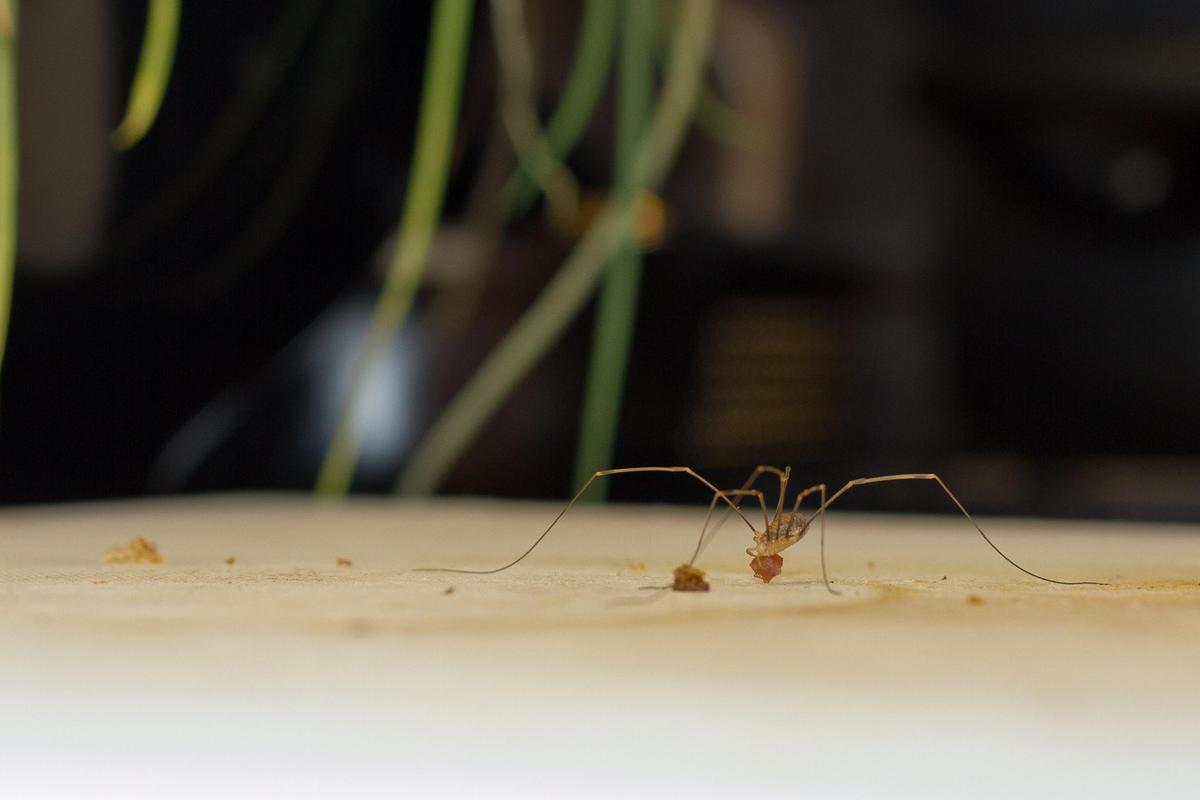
column 689, row 579
column 344, row 562
column 635, row 566
column 99, row 583
column 137, row 550
column 870, row 565
column 231, row 560
column 448, row 590
column 974, row 599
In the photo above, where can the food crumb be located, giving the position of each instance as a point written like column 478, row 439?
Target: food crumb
column 448, row 590
column 231, row 560
column 870, row 565
column 689, row 579
column 137, row 550
column 99, row 583
column 635, row 566
column 344, row 562
column 974, row 599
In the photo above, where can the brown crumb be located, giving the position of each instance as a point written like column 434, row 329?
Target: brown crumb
column 689, row 579
column 99, row 583
column 231, row 560
column 137, row 550
column 974, row 599
column 344, row 562
column 635, row 566
column 448, row 590
column 870, row 565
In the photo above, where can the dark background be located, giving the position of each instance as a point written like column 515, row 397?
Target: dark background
column 965, row 243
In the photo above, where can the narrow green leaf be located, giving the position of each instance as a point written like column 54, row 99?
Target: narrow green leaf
column 581, row 93
column 8, row 21
column 437, row 120
column 229, row 131
column 8, row 165
column 565, row 295
column 518, row 111
column 152, row 75
column 616, row 308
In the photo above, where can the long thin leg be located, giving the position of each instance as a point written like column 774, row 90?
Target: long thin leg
column 758, row 472
column 727, row 493
column 930, row 476
column 821, row 512
column 819, row 489
column 598, row 474
column 762, row 469
column 783, row 482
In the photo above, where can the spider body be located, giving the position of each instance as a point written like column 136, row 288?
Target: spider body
column 782, row 532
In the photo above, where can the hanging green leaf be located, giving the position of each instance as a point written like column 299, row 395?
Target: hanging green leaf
column 616, row 307
column 437, row 121
column 518, row 112
column 152, row 75
column 584, row 86
column 8, row 161
column 569, row 290
column 229, row 131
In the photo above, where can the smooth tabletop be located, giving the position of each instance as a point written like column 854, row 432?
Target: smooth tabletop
column 320, row 660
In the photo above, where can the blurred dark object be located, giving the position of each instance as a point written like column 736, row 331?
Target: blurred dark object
column 116, row 344
column 959, row 240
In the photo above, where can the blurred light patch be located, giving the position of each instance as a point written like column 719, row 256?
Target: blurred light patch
column 384, row 411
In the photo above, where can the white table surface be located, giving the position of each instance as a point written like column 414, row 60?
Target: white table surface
column 285, row 674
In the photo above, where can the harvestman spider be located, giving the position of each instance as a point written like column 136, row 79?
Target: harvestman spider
column 780, row 530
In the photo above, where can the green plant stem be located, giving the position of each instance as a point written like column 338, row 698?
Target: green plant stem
column 729, row 127
column 540, row 161
column 568, row 291
column 616, row 307
column 437, row 120
column 152, row 75
column 518, row 111
column 8, row 19
column 581, row 93
column 228, row 132
column 8, row 163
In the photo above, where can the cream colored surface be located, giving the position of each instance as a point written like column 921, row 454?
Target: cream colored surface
column 287, row 673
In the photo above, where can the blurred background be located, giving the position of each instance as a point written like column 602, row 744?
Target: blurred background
column 901, row 235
